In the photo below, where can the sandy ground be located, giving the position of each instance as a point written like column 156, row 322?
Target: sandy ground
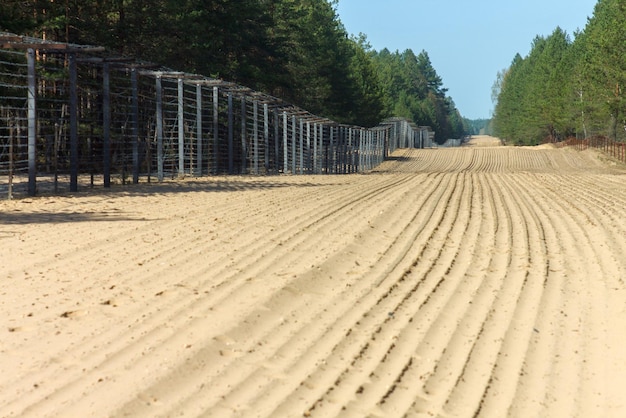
column 481, row 281
column 484, row 141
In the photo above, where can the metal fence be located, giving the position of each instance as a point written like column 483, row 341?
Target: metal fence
column 611, row 147
column 74, row 116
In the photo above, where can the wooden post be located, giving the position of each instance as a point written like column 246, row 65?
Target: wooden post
column 106, row 124
column 32, row 123
column 73, row 124
column 159, row 127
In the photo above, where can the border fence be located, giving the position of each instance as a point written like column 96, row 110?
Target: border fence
column 73, row 115
column 609, row 146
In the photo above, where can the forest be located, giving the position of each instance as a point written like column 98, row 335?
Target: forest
column 295, row 50
column 567, row 87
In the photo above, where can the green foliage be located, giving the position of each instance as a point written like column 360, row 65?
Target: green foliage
column 565, row 88
column 414, row 90
column 297, row 50
column 477, row 126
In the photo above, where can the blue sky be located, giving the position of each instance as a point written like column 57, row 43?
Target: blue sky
column 468, row 42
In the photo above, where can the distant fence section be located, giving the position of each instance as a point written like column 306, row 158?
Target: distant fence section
column 452, row 143
column 609, row 146
column 72, row 115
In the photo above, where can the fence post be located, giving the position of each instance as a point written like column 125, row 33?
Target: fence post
column 301, row 146
column 244, row 145
column 331, row 150
column 343, row 149
column 255, row 136
column 216, row 131
column 73, row 123
column 135, row 124
column 11, row 139
column 294, row 138
column 199, row 128
column 285, row 149
column 32, row 123
column 308, row 147
column 181, row 129
column 231, row 136
column 340, row 148
column 315, row 148
column 106, row 124
column 361, row 151
column 276, row 139
column 159, row 127
column 320, row 149
column 266, row 136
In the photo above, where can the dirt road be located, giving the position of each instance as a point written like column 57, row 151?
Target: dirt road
column 481, row 281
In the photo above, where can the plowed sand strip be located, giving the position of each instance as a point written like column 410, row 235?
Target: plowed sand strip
column 480, row 281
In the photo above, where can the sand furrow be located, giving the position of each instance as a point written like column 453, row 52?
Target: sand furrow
column 476, row 281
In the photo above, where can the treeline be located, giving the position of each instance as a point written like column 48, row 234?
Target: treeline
column 566, row 87
column 297, row 50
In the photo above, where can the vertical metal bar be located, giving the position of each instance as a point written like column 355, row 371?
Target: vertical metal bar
column 331, row 151
column 340, row 147
column 266, row 136
column 315, row 148
column 55, row 159
column 373, row 151
column 320, row 138
column 73, row 123
column 216, row 131
column 159, row 127
column 349, row 150
column 293, row 144
column 255, row 136
column 135, row 124
column 276, row 139
column 181, row 129
column 361, row 151
column 344, row 139
column 106, row 124
column 308, row 147
column 285, row 149
column 244, row 147
column 199, row 128
column 32, row 123
column 231, row 136
column 11, row 168
column 301, row 146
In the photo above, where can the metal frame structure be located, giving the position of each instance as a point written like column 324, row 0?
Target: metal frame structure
column 74, row 115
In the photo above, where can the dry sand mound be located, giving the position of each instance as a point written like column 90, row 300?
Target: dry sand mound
column 479, row 281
